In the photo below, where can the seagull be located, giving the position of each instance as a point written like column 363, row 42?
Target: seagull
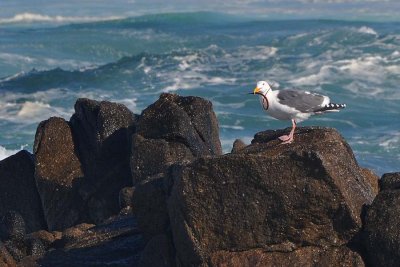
column 293, row 105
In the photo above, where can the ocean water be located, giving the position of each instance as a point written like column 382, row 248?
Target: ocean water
column 47, row 63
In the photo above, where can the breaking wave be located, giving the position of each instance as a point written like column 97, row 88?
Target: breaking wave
column 39, row 18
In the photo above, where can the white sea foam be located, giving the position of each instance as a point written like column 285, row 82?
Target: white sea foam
column 218, row 104
column 28, row 62
column 130, row 103
column 367, row 72
column 390, row 141
column 233, row 127
column 5, row 153
column 40, row 18
column 12, row 58
column 312, row 79
column 30, row 108
column 367, row 30
column 13, row 77
column 256, row 52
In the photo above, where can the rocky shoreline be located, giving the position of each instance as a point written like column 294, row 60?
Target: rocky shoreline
column 113, row 188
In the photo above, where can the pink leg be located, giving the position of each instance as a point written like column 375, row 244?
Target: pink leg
column 287, row 139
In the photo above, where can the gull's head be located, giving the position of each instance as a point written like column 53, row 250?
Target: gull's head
column 262, row 88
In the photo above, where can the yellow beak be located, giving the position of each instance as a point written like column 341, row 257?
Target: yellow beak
column 256, row 90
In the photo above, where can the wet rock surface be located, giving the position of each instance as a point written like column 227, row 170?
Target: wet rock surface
column 102, row 133
column 306, row 256
column 18, row 191
column 390, row 181
column 116, row 243
column 187, row 120
column 111, row 188
column 58, row 174
column 12, row 226
column 310, row 192
column 382, row 224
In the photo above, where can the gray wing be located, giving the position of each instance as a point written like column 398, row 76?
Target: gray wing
column 303, row 101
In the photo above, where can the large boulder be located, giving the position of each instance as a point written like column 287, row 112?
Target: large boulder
column 18, row 190
column 173, row 130
column 381, row 234
column 390, row 181
column 188, row 120
column 58, row 174
column 153, row 156
column 305, row 256
column 268, row 196
column 12, row 226
column 102, row 133
column 6, row 258
column 116, row 242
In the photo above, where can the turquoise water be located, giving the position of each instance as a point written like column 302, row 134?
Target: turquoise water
column 45, row 67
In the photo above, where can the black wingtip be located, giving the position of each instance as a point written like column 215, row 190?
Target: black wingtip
column 331, row 107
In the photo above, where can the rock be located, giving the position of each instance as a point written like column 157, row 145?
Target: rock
column 306, row 256
column 102, row 132
column 187, row 120
column 152, row 157
column 150, row 205
column 71, row 234
column 309, row 192
column 372, row 179
column 12, row 226
column 6, row 259
column 18, row 191
column 158, row 253
column 173, row 130
column 237, row 146
column 58, row 174
column 390, row 181
column 46, row 238
column 117, row 243
column 126, row 197
column 382, row 228
column 36, row 248
column 29, row 261
column 17, row 249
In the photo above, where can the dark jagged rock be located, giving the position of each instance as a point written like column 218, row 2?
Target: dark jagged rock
column 18, row 191
column 35, row 248
column 308, row 193
column 102, row 133
column 306, row 256
column 117, row 243
column 187, row 120
column 74, row 233
column 153, row 156
column 173, row 130
column 150, row 205
column 6, row 259
column 158, row 253
column 390, row 181
column 81, row 166
column 17, row 248
column 45, row 237
column 237, row 146
column 265, row 204
column 126, row 197
column 58, row 174
column 372, row 179
column 381, row 234
column 12, row 226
